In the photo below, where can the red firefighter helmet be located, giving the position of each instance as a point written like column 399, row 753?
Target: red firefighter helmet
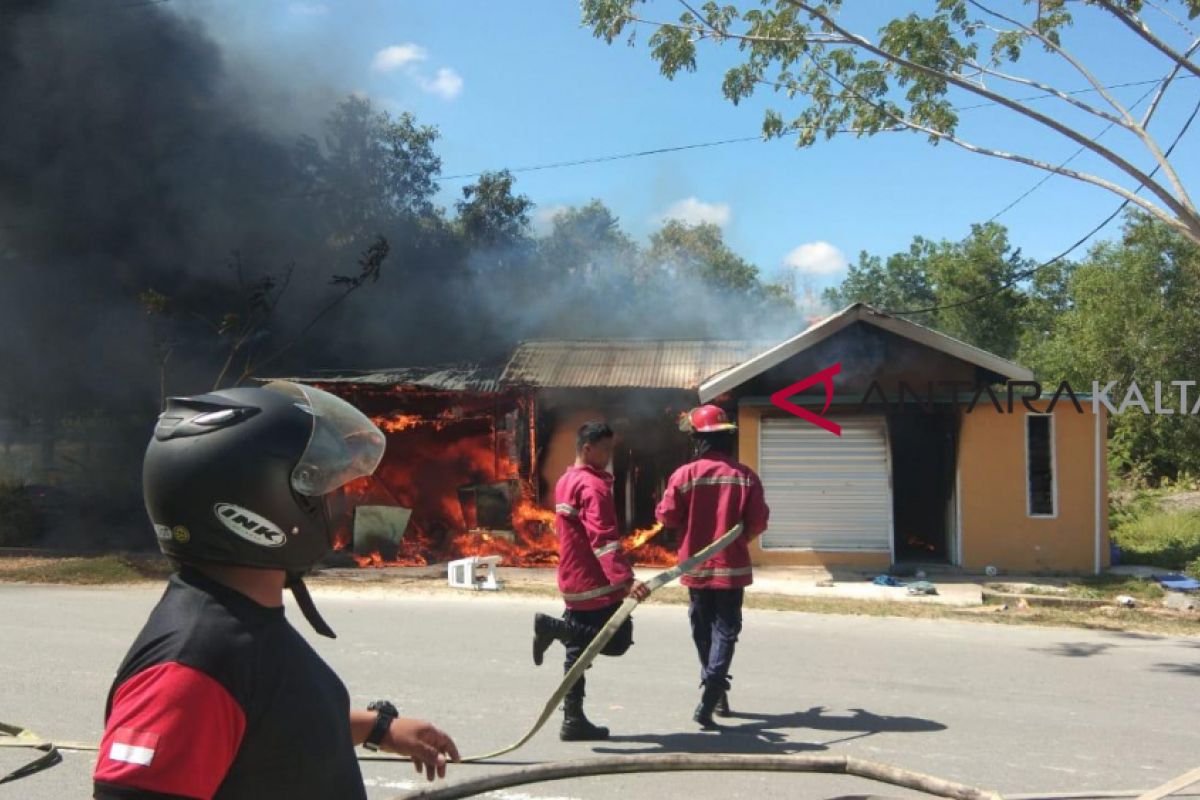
column 706, row 419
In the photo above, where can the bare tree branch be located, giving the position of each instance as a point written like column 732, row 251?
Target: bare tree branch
column 1141, row 132
column 370, row 264
column 1071, row 59
column 1180, row 224
column 1162, row 89
column 1061, row 95
column 1171, row 17
column 1142, row 30
column 1179, row 208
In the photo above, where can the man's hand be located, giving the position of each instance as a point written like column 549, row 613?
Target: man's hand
column 428, row 747
column 639, row 591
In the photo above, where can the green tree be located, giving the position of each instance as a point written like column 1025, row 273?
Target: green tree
column 490, row 215
column 699, row 252
column 369, row 172
column 900, row 282
column 974, row 284
column 587, row 242
column 970, row 287
column 904, row 78
column 1132, row 316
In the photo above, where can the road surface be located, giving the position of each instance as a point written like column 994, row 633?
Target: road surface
column 1009, row 708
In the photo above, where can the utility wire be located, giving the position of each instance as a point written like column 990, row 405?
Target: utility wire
column 1020, row 276
column 744, row 139
column 1069, row 159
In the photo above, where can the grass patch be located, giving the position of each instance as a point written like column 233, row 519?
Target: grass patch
column 1169, row 539
column 1157, row 527
column 1107, row 587
column 85, row 571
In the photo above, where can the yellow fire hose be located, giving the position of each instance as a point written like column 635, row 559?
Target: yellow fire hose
column 692, row 762
column 25, row 739
column 606, row 633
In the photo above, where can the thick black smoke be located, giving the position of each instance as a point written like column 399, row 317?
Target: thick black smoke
column 149, row 182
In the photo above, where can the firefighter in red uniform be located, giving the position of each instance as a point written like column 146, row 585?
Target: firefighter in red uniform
column 594, row 574
column 703, row 499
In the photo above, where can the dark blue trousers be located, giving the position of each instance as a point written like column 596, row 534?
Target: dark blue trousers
column 585, row 625
column 716, row 617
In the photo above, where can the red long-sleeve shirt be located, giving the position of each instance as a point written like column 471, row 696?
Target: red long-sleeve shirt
column 593, row 571
column 704, row 499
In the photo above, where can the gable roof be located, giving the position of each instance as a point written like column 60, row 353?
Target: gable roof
column 732, row 377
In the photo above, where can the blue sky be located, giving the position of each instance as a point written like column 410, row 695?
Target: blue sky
column 516, row 83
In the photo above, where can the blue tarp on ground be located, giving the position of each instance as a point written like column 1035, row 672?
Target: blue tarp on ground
column 1178, row 583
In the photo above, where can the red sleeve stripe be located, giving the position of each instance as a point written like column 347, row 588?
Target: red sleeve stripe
column 173, row 730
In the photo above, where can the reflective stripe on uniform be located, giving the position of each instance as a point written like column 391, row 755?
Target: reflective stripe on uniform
column 567, row 510
column 611, row 547
column 721, row 480
column 592, row 594
column 720, row 572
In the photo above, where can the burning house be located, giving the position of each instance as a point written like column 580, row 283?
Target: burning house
column 921, row 471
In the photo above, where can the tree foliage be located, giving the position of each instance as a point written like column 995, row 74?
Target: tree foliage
column 913, row 73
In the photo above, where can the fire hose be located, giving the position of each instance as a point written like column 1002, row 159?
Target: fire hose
column 844, row 765
column 714, row 762
column 22, row 738
column 607, row 632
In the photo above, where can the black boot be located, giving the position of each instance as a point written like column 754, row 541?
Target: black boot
column 722, row 708
column 546, row 631
column 576, row 727
column 708, row 703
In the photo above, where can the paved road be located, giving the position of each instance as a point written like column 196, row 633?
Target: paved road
column 1014, row 709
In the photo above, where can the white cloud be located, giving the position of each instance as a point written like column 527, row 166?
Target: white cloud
column 390, row 59
column 543, row 218
column 309, row 9
column 694, row 211
column 816, row 258
column 448, row 84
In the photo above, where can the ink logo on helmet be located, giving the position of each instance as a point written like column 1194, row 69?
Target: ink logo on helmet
column 249, row 526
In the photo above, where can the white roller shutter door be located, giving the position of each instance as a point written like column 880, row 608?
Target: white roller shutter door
column 826, row 492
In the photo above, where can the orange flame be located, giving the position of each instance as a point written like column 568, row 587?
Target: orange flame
column 424, row 468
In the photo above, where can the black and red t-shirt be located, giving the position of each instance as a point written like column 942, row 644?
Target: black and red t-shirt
column 221, row 698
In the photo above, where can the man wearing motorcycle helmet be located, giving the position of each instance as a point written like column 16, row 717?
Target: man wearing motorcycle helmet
column 219, row 696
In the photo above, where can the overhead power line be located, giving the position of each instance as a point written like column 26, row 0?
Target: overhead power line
column 578, row 162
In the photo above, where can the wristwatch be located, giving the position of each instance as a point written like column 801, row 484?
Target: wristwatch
column 385, row 713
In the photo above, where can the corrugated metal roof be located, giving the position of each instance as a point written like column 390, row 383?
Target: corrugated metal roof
column 438, row 377
column 624, row 363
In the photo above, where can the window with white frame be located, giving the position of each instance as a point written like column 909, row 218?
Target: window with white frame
column 1040, row 480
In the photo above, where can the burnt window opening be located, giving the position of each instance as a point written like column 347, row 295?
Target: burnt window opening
column 1039, row 464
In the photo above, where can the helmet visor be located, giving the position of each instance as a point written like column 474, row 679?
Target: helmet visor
column 344, row 444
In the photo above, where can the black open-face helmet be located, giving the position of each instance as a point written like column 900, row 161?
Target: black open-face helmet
column 239, row 477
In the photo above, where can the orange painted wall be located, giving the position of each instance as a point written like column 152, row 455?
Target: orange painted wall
column 559, row 454
column 996, row 528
